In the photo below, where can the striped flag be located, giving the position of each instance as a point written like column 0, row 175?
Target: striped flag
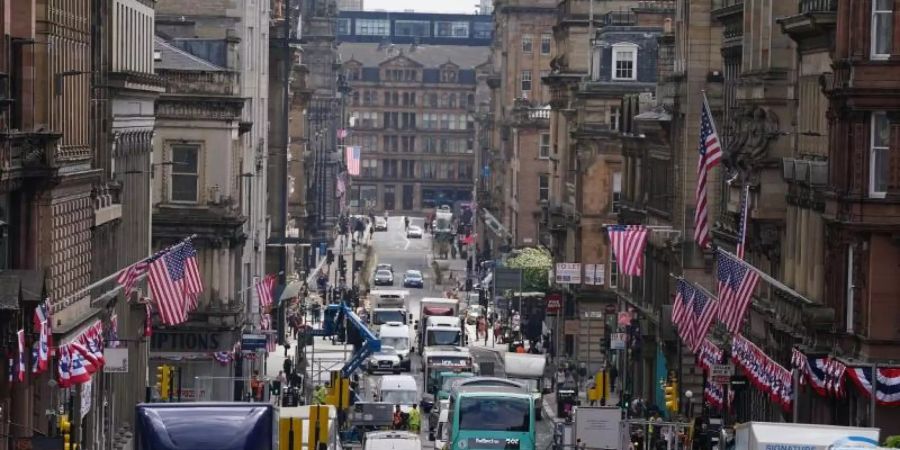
column 703, row 310
column 129, row 275
column 193, row 285
column 271, row 343
column 742, row 227
column 264, row 289
column 22, row 355
column 628, row 242
column 737, row 282
column 353, row 156
column 342, row 133
column 148, row 320
column 684, row 298
column 710, row 154
column 112, row 338
column 172, row 283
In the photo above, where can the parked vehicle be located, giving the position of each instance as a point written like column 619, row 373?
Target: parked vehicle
column 381, row 224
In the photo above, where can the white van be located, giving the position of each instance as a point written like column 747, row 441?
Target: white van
column 388, row 298
column 398, row 390
column 392, row 440
column 396, row 335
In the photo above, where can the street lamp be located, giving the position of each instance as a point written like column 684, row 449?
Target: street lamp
column 688, row 394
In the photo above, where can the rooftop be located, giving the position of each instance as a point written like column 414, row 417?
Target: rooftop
column 429, row 56
column 173, row 58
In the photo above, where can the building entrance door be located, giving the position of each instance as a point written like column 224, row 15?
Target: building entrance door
column 408, row 197
column 390, row 197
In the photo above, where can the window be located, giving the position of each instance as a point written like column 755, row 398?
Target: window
column 613, row 271
column 185, row 173
column 482, row 30
column 544, row 151
column 526, row 43
column 616, row 191
column 882, row 24
column 445, row 121
column 545, row 44
column 878, row 158
column 389, row 169
column 369, row 167
column 407, row 168
column 430, row 121
column 433, row 100
column 451, row 29
column 415, row 28
column 851, row 303
column 366, row 119
column 465, row 170
column 544, row 187
column 526, row 80
column 408, row 144
column 391, row 143
column 429, row 144
column 429, row 170
column 343, row 26
column 373, row 27
column 624, row 61
column 451, row 103
column 448, row 76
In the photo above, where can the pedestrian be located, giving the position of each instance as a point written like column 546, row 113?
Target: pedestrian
column 275, row 388
column 397, row 420
column 288, row 366
column 497, row 332
column 256, row 386
column 406, row 223
column 415, row 419
column 287, row 347
column 319, row 395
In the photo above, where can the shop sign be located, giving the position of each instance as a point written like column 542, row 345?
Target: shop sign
column 189, row 341
column 568, row 273
column 617, row 341
column 116, row 360
column 554, row 303
column 253, row 342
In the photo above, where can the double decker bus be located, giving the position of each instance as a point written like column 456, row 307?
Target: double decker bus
column 490, row 418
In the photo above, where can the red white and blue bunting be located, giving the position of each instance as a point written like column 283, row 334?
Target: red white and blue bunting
column 765, row 374
column 887, row 392
column 708, row 355
column 714, row 394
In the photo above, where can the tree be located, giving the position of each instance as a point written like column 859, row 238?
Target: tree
column 535, row 264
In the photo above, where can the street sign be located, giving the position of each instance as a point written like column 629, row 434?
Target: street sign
column 721, row 373
column 593, row 314
column 568, row 273
column 506, row 278
column 617, row 341
column 253, row 342
column 554, row 303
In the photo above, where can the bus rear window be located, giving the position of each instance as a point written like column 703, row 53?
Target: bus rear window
column 494, row 414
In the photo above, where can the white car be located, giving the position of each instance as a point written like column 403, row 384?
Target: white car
column 380, row 224
column 414, row 232
column 387, row 360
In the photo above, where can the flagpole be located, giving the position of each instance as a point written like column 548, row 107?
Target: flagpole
column 779, row 285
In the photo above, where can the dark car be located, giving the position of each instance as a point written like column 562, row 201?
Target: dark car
column 413, row 278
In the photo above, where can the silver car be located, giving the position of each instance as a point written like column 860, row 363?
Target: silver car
column 384, row 277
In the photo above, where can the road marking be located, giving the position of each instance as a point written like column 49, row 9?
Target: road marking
column 407, row 244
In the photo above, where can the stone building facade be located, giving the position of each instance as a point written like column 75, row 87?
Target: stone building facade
column 410, row 112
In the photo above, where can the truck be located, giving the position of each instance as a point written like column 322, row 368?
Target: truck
column 766, row 436
column 438, row 359
column 388, row 305
column 444, row 308
column 528, row 370
column 236, row 426
column 443, row 232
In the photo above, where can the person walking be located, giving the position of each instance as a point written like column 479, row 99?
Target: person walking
column 288, row 367
column 415, row 419
column 319, row 395
column 406, row 223
column 275, row 388
column 256, row 387
column 397, row 420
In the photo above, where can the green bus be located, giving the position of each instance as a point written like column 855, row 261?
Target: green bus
column 490, row 418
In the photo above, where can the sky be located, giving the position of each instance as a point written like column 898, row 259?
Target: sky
column 440, row 6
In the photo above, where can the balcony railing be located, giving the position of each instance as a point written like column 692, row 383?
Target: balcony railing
column 193, row 82
column 810, row 6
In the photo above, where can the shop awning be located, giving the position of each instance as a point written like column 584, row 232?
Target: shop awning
column 291, row 290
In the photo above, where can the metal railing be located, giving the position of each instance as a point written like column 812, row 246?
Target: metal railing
column 808, row 6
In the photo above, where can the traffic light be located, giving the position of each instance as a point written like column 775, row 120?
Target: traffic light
column 671, row 393
column 65, row 429
column 163, row 381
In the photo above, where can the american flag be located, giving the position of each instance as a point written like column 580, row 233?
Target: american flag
column 22, row 355
column 175, row 283
column 342, row 133
column 353, row 160
column 684, row 298
column 710, row 154
column 264, row 289
column 745, row 211
column 193, row 283
column 265, row 322
column 129, row 275
column 737, row 282
column 341, row 185
column 703, row 310
column 148, row 320
column 628, row 242
column 271, row 343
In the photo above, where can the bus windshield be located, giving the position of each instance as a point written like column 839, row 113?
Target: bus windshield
column 494, row 414
column 383, row 317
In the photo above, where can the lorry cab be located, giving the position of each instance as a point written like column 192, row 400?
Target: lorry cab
column 396, row 335
column 528, row 370
column 398, row 390
column 392, row 440
column 436, row 360
column 388, row 298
